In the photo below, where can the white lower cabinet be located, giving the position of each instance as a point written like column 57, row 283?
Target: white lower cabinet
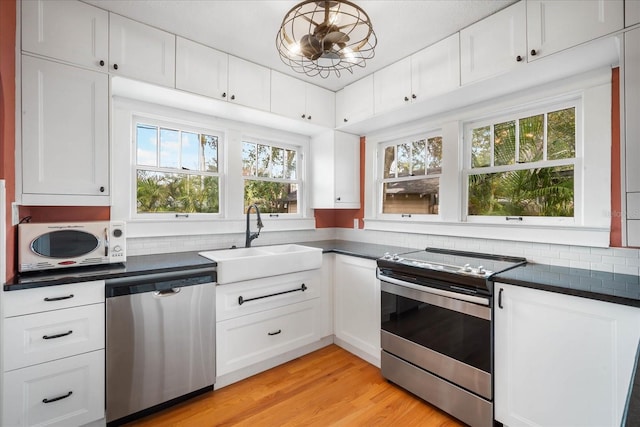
column 250, row 339
column 65, row 392
column 357, row 307
column 561, row 360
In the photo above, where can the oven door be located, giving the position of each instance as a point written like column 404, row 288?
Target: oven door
column 448, row 337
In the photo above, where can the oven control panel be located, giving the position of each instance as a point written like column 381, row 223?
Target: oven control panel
column 467, row 269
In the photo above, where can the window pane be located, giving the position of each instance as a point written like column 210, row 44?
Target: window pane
column 169, row 148
column 277, row 162
column 147, row 145
column 263, row 160
column 530, row 192
column 481, row 147
column 390, row 162
column 190, row 151
column 290, row 171
column 209, row 145
column 404, row 160
column 531, row 139
column 419, row 196
column 180, row 193
column 504, row 143
column 249, row 159
column 435, row 155
column 271, row 197
column 418, row 156
column 561, row 134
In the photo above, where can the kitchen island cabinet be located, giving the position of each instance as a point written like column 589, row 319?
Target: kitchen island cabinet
column 357, row 307
column 561, row 359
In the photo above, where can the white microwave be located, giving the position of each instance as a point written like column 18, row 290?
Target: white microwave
column 55, row 245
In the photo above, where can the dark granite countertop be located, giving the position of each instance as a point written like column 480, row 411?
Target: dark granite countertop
column 600, row 285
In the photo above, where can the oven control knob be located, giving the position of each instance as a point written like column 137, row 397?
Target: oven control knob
column 466, row 268
column 386, row 255
column 481, row 269
column 395, row 257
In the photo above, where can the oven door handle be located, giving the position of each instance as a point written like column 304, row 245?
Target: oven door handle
column 467, row 304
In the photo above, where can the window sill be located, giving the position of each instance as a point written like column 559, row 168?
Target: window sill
column 193, row 227
column 564, row 235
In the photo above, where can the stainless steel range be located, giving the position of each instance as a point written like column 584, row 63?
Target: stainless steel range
column 436, row 332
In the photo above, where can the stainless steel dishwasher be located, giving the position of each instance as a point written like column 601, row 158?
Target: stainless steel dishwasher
column 160, row 333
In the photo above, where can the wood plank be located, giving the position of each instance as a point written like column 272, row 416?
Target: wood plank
column 329, row 387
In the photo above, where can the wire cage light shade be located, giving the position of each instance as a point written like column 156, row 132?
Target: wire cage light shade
column 324, row 37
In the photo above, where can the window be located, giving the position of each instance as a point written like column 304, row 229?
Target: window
column 523, row 166
column 177, row 170
column 411, row 173
column 271, row 177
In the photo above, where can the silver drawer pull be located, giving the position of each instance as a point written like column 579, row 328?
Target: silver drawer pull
column 55, row 399
column 242, row 300
column 58, row 298
column 274, row 333
column 167, row 292
column 51, row 337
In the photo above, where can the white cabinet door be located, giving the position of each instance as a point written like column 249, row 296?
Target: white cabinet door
column 631, row 12
column 247, row 340
column 632, row 107
column 357, row 306
column 495, row 45
column 249, row 84
column 288, row 96
column 561, row 360
column 201, row 69
column 392, row 86
column 355, row 101
column 436, row 69
column 554, row 25
column 57, row 158
column 68, row 30
column 141, row 52
column 62, row 393
column 320, row 106
column 335, row 171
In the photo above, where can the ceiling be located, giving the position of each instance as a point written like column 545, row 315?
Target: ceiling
column 247, row 28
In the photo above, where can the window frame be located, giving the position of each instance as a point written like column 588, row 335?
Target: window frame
column 516, row 115
column 182, row 127
column 299, row 181
column 381, row 180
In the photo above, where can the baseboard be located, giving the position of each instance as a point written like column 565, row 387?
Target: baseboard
column 373, row 359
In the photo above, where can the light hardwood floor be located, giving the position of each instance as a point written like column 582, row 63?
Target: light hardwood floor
column 329, row 387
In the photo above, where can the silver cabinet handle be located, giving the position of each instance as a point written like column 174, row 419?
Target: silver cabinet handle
column 167, row 292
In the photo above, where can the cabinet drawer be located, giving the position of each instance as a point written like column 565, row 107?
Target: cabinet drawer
column 42, row 337
column 246, row 340
column 265, row 294
column 63, row 393
column 49, row 298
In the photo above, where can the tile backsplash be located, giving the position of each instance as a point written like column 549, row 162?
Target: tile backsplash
column 616, row 260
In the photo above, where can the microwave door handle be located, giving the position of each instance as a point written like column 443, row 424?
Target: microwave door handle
column 106, row 242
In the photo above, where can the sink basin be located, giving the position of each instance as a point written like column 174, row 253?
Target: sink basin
column 236, row 265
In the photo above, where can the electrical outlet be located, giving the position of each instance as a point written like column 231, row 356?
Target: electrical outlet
column 15, row 214
column 356, row 223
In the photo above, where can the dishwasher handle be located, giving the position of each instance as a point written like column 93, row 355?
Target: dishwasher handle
column 166, row 292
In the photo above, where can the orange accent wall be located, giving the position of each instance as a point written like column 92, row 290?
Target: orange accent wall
column 615, row 239
column 343, row 218
column 65, row 213
column 7, row 118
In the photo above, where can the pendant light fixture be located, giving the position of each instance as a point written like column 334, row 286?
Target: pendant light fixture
column 324, row 37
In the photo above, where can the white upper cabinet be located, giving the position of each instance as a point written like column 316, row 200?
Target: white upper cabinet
column 65, row 134
column 631, row 12
column 249, row 84
column 555, row 25
column 67, row 30
column 355, row 101
column 495, row 45
column 297, row 99
column 436, row 69
column 335, row 171
column 427, row 73
column 201, row 69
column 141, row 52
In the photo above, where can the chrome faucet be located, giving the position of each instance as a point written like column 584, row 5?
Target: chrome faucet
column 250, row 236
